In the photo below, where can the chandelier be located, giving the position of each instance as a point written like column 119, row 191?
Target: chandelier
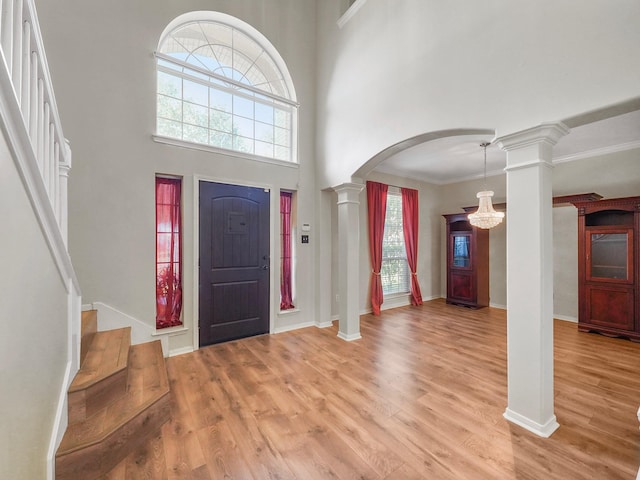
column 485, row 216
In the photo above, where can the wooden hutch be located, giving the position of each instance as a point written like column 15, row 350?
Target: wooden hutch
column 609, row 267
column 467, row 262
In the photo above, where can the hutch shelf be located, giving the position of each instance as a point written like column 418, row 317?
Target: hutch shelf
column 467, row 262
column 609, row 267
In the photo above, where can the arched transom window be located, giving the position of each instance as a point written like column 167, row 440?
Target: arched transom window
column 225, row 87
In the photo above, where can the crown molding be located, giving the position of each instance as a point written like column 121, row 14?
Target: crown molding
column 597, row 152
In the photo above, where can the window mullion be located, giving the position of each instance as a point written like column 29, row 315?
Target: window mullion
column 221, row 78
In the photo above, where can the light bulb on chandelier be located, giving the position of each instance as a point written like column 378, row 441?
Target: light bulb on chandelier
column 485, row 216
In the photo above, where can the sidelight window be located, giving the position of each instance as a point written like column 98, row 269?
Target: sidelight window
column 168, row 252
column 286, row 249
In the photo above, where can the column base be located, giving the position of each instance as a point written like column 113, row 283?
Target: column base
column 324, row 324
column 349, row 337
column 543, row 431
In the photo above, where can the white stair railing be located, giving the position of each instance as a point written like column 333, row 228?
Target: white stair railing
column 31, row 127
column 25, row 64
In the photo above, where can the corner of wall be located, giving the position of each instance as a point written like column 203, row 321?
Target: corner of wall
column 111, row 318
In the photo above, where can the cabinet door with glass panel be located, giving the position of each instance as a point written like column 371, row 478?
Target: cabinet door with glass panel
column 461, row 254
column 609, row 254
column 608, row 267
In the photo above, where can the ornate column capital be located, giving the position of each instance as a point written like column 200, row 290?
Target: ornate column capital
column 533, row 146
column 546, row 133
column 349, row 192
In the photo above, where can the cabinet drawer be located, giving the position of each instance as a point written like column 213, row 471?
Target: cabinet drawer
column 610, row 306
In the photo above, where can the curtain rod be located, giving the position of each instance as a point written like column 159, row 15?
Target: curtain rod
column 391, row 185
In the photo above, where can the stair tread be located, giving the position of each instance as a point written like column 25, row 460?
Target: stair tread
column 107, row 354
column 147, row 383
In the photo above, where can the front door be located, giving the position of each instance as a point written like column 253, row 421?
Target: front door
column 234, row 262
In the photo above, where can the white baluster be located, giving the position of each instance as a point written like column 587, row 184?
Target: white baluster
column 25, row 105
column 38, row 141
column 46, row 175
column 53, row 179
column 6, row 36
column 56, row 158
column 33, row 95
column 16, row 56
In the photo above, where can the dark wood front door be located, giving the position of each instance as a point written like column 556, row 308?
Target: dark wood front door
column 234, row 262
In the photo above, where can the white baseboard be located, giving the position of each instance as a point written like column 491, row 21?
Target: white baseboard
column 432, row 297
column 295, row 326
column 389, row 305
column 324, row 324
column 555, row 315
column 181, row 351
column 110, row 318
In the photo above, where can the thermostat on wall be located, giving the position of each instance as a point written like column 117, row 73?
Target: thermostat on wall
column 306, row 227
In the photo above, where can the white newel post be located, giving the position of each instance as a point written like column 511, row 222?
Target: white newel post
column 349, row 259
column 530, row 277
column 63, row 172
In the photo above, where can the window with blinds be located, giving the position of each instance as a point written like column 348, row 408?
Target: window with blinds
column 395, row 270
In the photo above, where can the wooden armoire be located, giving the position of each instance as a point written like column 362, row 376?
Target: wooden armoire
column 609, row 267
column 467, row 262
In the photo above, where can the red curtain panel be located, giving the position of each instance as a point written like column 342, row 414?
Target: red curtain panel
column 168, row 252
column 286, row 300
column 410, row 230
column 377, row 205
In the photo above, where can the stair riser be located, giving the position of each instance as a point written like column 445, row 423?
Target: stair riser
column 88, row 330
column 84, row 403
column 92, row 462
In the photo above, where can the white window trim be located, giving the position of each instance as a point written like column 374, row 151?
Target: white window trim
column 222, row 78
column 392, row 190
column 176, row 142
column 251, row 32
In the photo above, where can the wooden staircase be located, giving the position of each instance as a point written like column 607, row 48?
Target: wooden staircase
column 118, row 399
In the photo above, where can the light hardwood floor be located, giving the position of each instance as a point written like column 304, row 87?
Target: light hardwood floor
column 421, row 395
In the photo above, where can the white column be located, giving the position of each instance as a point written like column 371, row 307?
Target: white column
column 349, row 259
column 530, row 277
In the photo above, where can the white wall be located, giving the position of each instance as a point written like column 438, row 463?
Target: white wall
column 398, row 69
column 103, row 71
column 33, row 343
